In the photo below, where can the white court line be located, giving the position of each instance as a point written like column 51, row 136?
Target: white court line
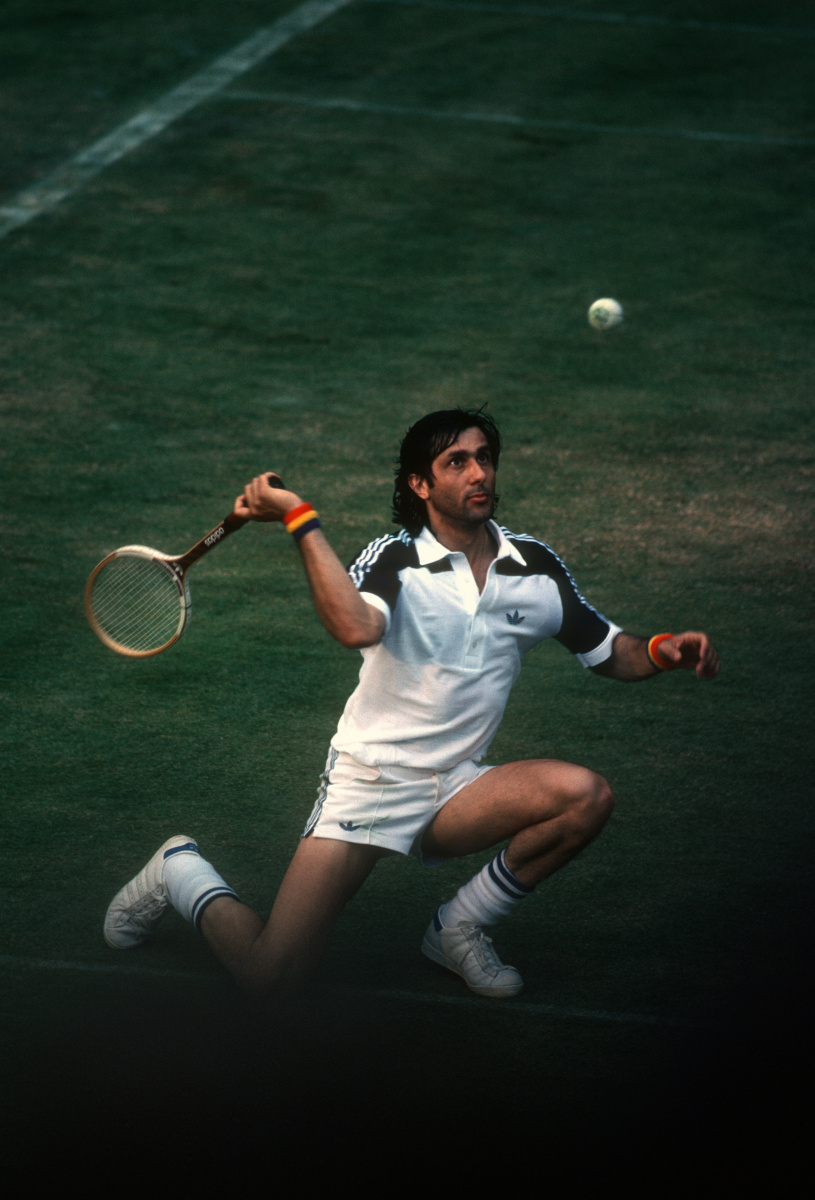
column 98, row 968
column 440, row 114
column 168, row 108
column 568, row 1012
column 528, row 1008
column 566, row 14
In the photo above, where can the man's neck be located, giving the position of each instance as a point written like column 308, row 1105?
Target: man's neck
column 476, row 542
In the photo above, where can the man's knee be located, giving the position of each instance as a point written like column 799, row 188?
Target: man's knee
column 602, row 800
column 587, row 801
column 264, row 977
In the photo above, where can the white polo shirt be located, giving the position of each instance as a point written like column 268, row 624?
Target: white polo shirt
column 432, row 691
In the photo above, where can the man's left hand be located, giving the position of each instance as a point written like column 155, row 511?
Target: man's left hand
column 691, row 651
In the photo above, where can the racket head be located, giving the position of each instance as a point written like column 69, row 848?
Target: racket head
column 137, row 601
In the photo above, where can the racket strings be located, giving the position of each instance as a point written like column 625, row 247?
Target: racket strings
column 136, row 603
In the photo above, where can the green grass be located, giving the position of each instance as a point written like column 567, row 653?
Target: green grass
column 269, row 285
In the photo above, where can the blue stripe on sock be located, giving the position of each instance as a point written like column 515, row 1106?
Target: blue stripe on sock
column 507, row 881
column 187, row 848
column 203, row 902
column 499, row 883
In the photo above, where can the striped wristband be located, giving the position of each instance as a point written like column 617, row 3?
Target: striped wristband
column 661, row 664
column 301, row 520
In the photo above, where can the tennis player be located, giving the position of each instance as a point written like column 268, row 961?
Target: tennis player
column 442, row 612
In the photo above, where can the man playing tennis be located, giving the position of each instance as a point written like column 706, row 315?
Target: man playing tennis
column 443, row 613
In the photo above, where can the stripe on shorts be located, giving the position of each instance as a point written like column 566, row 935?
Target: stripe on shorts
column 322, row 792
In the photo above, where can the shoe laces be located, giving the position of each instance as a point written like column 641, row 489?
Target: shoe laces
column 482, row 947
column 147, row 905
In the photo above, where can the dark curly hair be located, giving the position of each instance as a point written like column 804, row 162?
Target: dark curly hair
column 425, row 441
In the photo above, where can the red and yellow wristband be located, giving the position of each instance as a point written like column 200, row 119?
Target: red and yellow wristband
column 301, row 520
column 661, row 664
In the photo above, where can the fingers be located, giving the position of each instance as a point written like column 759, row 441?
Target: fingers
column 266, row 499
column 693, row 651
column 708, row 665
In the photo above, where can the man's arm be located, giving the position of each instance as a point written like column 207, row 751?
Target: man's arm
column 340, row 607
column 629, row 660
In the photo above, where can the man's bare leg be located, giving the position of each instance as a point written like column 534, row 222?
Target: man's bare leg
column 549, row 810
column 280, row 954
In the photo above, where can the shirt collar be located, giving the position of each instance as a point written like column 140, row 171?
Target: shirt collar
column 429, row 550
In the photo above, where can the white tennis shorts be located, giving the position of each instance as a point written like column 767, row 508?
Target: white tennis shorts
column 389, row 807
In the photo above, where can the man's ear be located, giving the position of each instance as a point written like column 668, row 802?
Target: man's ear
column 419, row 485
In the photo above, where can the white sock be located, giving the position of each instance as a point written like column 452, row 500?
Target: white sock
column 192, row 883
column 489, row 895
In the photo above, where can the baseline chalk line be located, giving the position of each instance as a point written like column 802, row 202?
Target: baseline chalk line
column 528, row 1008
column 440, row 114
column 604, row 18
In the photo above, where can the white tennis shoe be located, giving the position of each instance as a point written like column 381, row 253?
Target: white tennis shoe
column 136, row 910
column 468, row 951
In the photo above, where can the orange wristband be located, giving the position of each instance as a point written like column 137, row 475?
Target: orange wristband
column 661, row 664
column 294, row 513
column 301, row 520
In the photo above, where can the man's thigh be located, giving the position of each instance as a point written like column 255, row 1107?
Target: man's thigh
column 504, row 801
column 322, row 877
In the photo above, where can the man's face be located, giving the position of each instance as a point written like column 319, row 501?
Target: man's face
column 462, row 489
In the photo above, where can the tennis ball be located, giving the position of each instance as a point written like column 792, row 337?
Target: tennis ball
column 605, row 314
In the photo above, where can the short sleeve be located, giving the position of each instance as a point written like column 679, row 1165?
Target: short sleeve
column 375, row 571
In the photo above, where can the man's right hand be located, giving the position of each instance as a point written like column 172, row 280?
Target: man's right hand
column 259, row 501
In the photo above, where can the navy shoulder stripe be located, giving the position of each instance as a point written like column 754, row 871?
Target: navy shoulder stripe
column 393, row 547
column 540, row 559
column 376, row 568
column 583, row 628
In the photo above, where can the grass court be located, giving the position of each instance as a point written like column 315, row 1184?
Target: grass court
column 403, row 207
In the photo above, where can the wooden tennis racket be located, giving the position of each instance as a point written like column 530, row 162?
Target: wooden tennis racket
column 137, row 600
